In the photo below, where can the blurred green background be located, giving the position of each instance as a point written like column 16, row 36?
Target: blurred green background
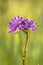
column 11, row 46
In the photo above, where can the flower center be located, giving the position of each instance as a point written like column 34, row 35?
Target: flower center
column 23, row 22
column 29, row 24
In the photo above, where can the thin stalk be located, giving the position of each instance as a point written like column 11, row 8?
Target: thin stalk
column 24, row 31
column 24, row 55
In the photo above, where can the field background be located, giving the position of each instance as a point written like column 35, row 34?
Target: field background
column 11, row 46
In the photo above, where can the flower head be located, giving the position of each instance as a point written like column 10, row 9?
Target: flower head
column 29, row 24
column 32, row 25
column 25, row 24
column 15, row 25
column 18, row 24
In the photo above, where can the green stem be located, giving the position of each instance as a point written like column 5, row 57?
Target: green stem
column 24, row 55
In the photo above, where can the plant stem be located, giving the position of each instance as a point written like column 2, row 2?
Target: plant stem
column 24, row 55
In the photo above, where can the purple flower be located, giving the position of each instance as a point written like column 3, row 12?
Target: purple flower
column 32, row 25
column 25, row 24
column 29, row 24
column 18, row 24
column 15, row 25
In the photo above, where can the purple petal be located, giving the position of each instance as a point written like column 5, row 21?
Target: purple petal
column 33, row 28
